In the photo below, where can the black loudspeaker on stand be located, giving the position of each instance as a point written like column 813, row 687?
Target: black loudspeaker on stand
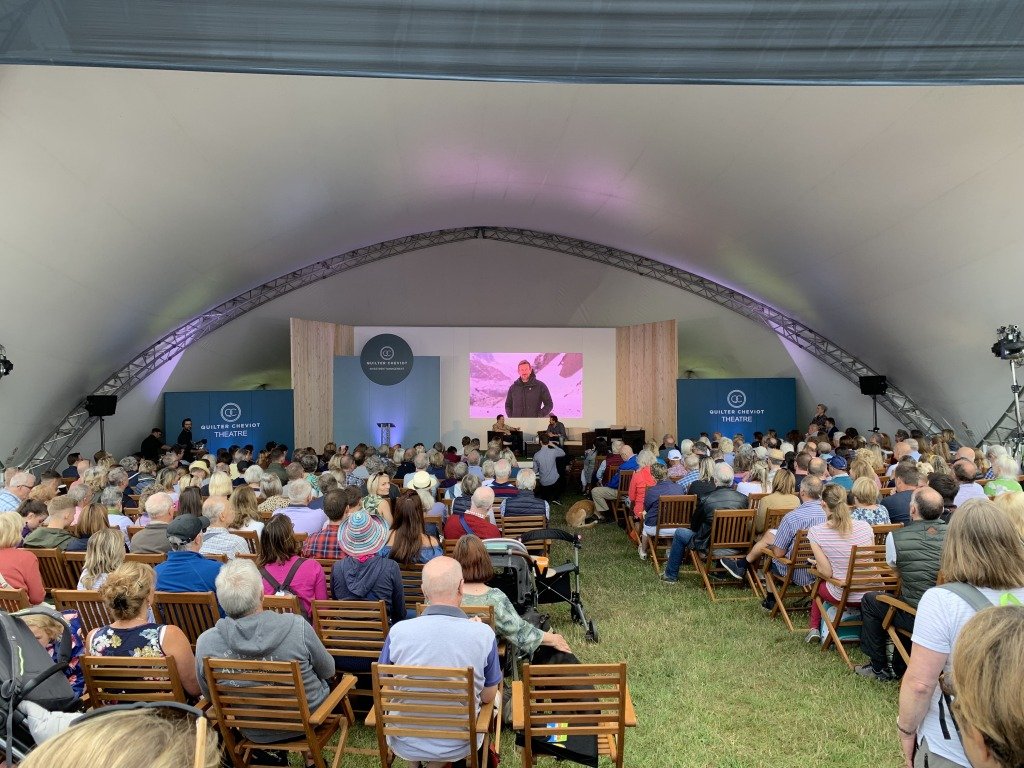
column 874, row 386
column 101, row 405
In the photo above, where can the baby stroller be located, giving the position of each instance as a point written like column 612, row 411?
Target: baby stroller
column 29, row 674
column 517, row 575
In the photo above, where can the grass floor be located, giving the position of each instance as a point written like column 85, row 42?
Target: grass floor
column 716, row 685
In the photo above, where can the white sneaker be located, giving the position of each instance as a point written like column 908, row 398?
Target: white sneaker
column 642, row 551
column 813, row 635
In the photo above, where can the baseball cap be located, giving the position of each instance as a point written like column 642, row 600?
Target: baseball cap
column 837, row 462
column 182, row 529
column 674, row 455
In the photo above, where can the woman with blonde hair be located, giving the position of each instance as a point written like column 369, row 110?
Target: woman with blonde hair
column 866, row 505
column 782, row 496
column 1012, row 504
column 988, row 676
column 247, row 515
column 984, row 553
column 92, row 520
column 103, row 556
column 832, row 542
column 377, row 500
column 220, row 485
column 19, row 567
column 757, row 480
column 128, row 595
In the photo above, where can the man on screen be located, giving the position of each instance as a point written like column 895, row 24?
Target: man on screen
column 528, row 397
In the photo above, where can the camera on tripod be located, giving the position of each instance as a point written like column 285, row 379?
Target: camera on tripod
column 1009, row 344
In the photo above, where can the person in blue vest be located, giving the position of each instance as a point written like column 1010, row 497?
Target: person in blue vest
column 185, row 570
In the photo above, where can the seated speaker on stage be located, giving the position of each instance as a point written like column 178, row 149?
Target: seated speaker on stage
column 509, row 435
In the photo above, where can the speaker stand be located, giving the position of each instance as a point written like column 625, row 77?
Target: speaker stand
column 103, row 437
column 874, row 411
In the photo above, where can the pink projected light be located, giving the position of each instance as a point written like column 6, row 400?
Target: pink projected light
column 555, row 385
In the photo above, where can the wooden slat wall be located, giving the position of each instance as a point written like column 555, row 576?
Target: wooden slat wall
column 647, row 366
column 313, row 347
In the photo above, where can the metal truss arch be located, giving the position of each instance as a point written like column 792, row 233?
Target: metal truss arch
column 72, row 428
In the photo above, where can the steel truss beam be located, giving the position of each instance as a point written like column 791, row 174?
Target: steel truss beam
column 69, row 431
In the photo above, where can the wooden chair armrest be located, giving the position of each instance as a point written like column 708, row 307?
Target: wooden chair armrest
column 333, row 699
column 483, row 717
column 895, row 602
column 827, row 579
column 203, row 704
column 518, row 706
column 630, row 715
column 371, row 718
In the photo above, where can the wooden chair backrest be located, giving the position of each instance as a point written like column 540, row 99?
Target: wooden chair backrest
column 676, row 511
column 731, row 529
column 564, row 700
column 485, row 612
column 133, row 529
column 449, row 546
column 436, row 521
column 74, row 562
column 92, row 611
column 328, row 565
column 438, row 703
column 801, row 550
column 439, row 495
column 883, row 492
column 282, row 604
column 124, row 679
column 51, row 567
column 412, row 583
column 351, row 628
column 774, row 516
column 246, row 556
column 881, row 531
column 268, row 695
column 216, row 556
column 514, row 526
column 625, row 478
column 12, row 600
column 149, row 558
column 191, row 612
column 300, row 536
column 869, row 572
column 448, row 503
column 753, row 498
column 251, row 538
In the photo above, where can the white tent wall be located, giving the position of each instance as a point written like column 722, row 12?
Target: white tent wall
column 524, row 287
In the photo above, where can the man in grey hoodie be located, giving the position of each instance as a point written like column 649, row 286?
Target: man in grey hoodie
column 250, row 633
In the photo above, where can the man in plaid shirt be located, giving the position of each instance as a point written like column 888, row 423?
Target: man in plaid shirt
column 324, row 545
column 690, row 463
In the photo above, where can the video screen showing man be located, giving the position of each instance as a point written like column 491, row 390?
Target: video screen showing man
column 528, row 397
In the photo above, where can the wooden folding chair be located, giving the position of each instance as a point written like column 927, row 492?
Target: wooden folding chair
column 673, row 512
column 753, row 498
column 282, row 604
column 412, row 583
column 270, row 696
column 328, row 565
column 485, row 612
column 12, row 600
column 92, row 611
column 74, row 562
column 251, row 538
column 868, row 572
column 772, row 519
column 572, row 700
column 433, row 703
column 218, row 557
column 618, row 504
column 883, row 492
column 124, row 679
column 881, row 531
column 514, row 526
column 783, row 588
column 449, row 546
column 133, row 529
column 51, row 567
column 434, row 520
column 901, row 638
column 151, row 559
column 191, row 612
column 774, row 516
column 730, row 529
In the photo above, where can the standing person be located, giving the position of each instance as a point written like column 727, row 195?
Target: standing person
column 545, row 463
column 153, row 444
column 185, row 436
column 982, row 564
column 527, row 397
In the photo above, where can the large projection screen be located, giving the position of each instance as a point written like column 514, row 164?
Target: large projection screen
column 525, row 384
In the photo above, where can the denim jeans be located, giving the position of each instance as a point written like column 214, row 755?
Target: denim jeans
column 680, row 541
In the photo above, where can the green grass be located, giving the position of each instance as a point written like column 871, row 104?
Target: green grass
column 716, row 685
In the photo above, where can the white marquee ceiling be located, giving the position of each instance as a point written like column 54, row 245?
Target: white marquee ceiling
column 888, row 219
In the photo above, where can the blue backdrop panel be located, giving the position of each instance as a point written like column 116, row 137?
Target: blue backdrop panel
column 414, row 404
column 228, row 418
column 735, row 405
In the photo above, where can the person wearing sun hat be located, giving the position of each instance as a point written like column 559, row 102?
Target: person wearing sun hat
column 362, row 575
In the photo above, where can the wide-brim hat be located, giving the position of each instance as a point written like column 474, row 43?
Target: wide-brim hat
column 423, row 481
column 362, row 534
column 199, row 464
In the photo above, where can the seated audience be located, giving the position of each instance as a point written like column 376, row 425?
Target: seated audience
column 988, row 675
column 837, row 474
column 1012, row 504
column 1006, row 470
column 705, row 482
column 53, row 534
column 16, row 491
column 691, row 471
column 420, row 463
column 603, row 494
column 465, row 490
column 49, row 631
column 642, row 480
column 865, row 503
column 965, row 473
column 92, row 519
column 663, row 486
column 698, row 536
column 153, row 538
column 378, row 495
column 220, row 485
column 185, row 570
column 914, row 552
column 304, row 519
column 283, row 571
column 190, row 502
column 408, row 542
column 103, row 556
column 362, row 574
column 898, row 504
column 128, row 596
column 324, row 543
column 18, row 569
column 33, row 514
column 503, row 486
column 983, row 551
column 247, row 632
column 542, row 647
column 271, row 490
column 756, row 480
column 525, row 502
column 217, row 539
column 443, row 637
column 111, row 500
column 476, row 519
column 782, row 496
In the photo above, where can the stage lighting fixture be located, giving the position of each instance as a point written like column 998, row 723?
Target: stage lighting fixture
column 6, row 366
column 1009, row 344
